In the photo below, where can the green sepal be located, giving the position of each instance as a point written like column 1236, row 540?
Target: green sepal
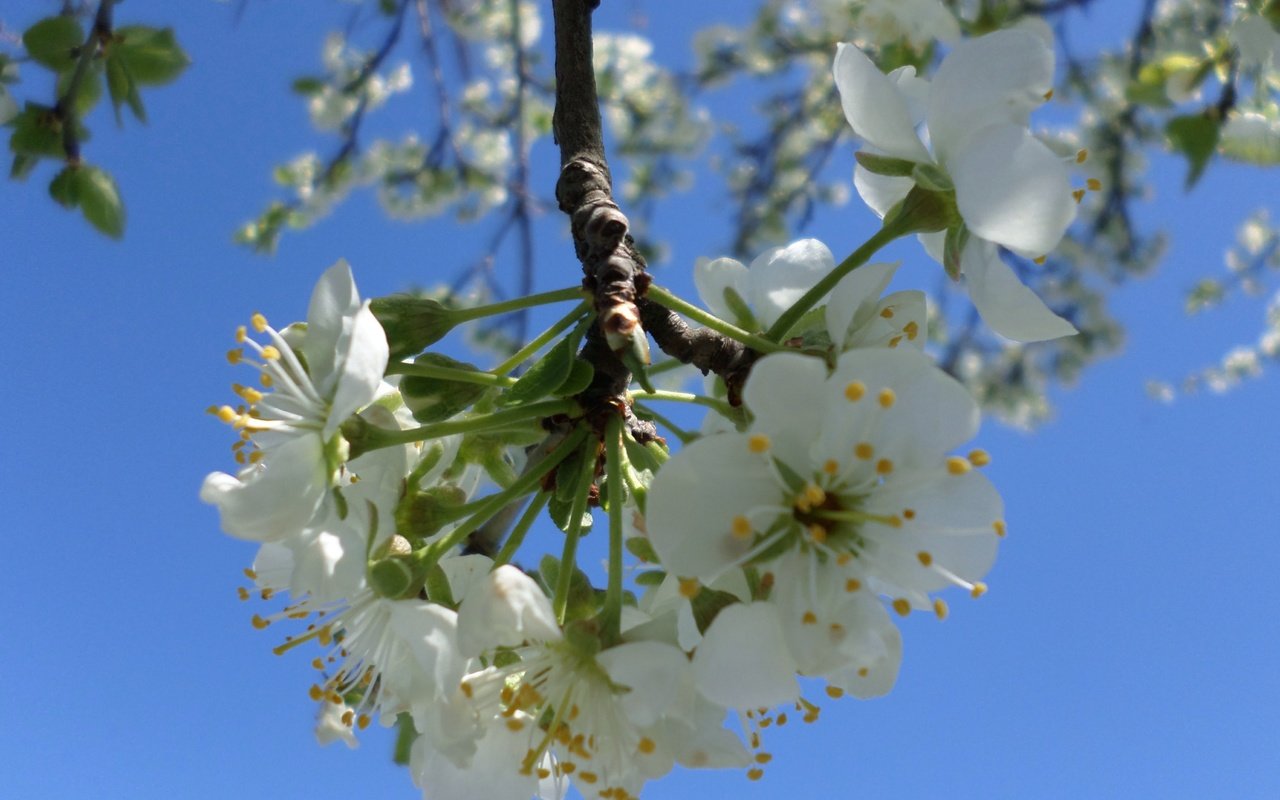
column 391, row 577
column 54, row 42
column 152, row 55
column 931, row 177
column 707, row 605
column 548, row 373
column 743, row 316
column 411, row 323
column 652, row 577
column 583, row 600
column 406, row 734
column 421, row 514
column 641, row 548
column 437, row 399
column 438, row 589
column 923, row 211
column 639, row 369
column 885, row 165
column 1196, row 137
column 952, row 249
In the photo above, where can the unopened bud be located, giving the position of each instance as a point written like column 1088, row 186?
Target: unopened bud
column 421, row 515
column 413, row 323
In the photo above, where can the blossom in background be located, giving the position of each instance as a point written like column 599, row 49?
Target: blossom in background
column 288, row 428
column 1011, row 190
column 842, row 491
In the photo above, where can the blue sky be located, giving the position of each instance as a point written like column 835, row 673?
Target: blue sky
column 1127, row 647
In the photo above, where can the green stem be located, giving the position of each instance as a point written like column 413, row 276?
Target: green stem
column 534, row 346
column 779, row 330
column 422, row 370
column 495, row 502
column 617, row 466
column 65, row 106
column 507, row 306
column 522, row 527
column 568, row 558
column 371, row 437
column 721, row 406
column 669, row 300
column 665, row 366
column 680, row 433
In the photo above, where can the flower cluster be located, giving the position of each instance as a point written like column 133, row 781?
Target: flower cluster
column 391, row 488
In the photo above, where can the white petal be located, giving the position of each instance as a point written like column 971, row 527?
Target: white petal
column 712, row 277
column 360, row 363
column 504, row 610
column 743, row 661
column 1009, row 307
column 874, row 106
column 658, row 677
column 995, row 78
column 334, row 302
column 781, row 277
column 429, row 631
column 784, row 392
column 494, row 774
column 854, row 300
column 464, row 571
column 274, row 498
column 880, row 192
column 1012, row 190
column 907, row 307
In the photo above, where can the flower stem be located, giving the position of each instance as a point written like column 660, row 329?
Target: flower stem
column 365, row 437
column 495, row 502
column 680, row 433
column 422, row 370
column 557, row 296
column 669, row 300
column 530, row 516
column 779, row 330
column 568, row 558
column 534, row 346
column 721, row 406
column 616, row 468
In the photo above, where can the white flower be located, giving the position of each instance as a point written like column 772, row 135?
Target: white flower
column 1257, row 42
column 291, row 429
column 919, row 22
column 1011, row 190
column 336, row 721
column 841, row 483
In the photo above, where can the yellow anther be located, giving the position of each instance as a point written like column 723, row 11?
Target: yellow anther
column 259, row 322
column 884, row 466
column 543, row 773
column 349, row 717
column 958, row 465
column 844, row 558
column 242, row 593
column 317, row 663
column 1093, row 185
column 259, row 622
column 809, row 618
column 363, row 721
column 516, row 725
column 978, row 590
column 1048, row 95
column 940, row 608
column 887, row 313
column 887, row 398
column 741, row 527
column 855, row 390
column 835, row 692
column 1082, row 155
column 241, row 459
column 894, row 342
column 265, row 379
column 249, row 394
column 864, row 450
column 568, row 767
column 909, row 513
column 902, row 606
column 979, row 458
column 250, row 574
column 758, row 443
column 466, row 689
column 254, row 457
column 646, row 745
column 1078, row 194
column 831, row 466
column 270, row 353
column 241, row 335
column 814, row 494
column 863, row 672
column 316, row 693
column 817, row 533
column 763, row 758
column 782, row 719
column 689, row 588
column 999, row 527
column 755, row 774
column 234, row 356
column 925, row 558
column 1040, row 260
column 588, row 777
column 852, row 585
column 912, row 330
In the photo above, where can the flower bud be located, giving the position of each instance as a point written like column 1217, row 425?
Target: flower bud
column 421, row 515
column 413, row 323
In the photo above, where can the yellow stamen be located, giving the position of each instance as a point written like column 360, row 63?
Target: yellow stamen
column 763, row 758
column 958, row 465
column 852, row 585
column 887, row 313
column 894, row 342
column 909, row 513
column 316, row 693
column 1093, row 184
column 912, row 330
column 902, row 606
column 689, row 588
column 884, row 466
column 978, row 590
column 809, row 618
column 979, row 458
column 999, row 527
column 1078, row 194
column 646, row 745
column 758, row 443
column 363, row 721
column 234, row 356
column 863, row 672
column 241, row 335
column 940, row 608
column 817, row 533
column 1082, row 156
column 1048, row 95
column 855, row 390
column 259, row 322
column 227, row 414
column 259, row 622
column 887, row 398
column 270, row 352
column 925, row 558
column 864, row 450
column 835, row 692
column 814, row 494
column 831, row 466
column 844, row 558
column 1040, row 260
column 755, row 774
column 741, row 527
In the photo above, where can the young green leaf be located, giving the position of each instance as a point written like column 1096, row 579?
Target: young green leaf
column 53, row 42
column 64, row 188
column 152, row 55
column 100, row 201
column 1196, row 137
column 552, row 370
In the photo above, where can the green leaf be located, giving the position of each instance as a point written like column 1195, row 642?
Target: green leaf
column 885, row 165
column 437, row 399
column 64, row 188
column 122, row 88
column 707, row 604
column 22, row 166
column 579, row 378
column 54, row 42
column 88, row 92
column 552, row 370
column 952, row 248
column 561, row 512
column 100, row 201
column 640, row 547
column 308, row 85
column 1196, row 137
column 151, row 54
column 651, row 577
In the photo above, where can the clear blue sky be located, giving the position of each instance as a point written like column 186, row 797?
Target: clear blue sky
column 1128, row 647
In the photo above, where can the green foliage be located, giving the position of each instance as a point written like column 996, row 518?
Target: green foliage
column 1196, row 137
column 152, row 56
column 94, row 192
column 54, row 42
column 437, row 399
column 548, row 373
